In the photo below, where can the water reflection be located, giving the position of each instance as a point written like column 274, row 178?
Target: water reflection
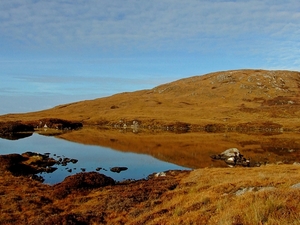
column 192, row 149
column 146, row 152
column 89, row 157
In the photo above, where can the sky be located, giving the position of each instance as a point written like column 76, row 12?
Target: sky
column 61, row 51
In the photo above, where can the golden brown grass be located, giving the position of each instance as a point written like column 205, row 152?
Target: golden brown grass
column 207, row 196
column 21, row 199
column 203, row 196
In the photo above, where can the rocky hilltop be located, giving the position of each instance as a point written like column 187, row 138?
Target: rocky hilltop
column 234, row 100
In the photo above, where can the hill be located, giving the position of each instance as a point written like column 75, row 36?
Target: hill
column 238, row 99
column 241, row 100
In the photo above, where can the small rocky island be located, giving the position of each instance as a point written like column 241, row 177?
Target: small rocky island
column 30, row 164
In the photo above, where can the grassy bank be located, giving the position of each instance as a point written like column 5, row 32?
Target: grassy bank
column 263, row 195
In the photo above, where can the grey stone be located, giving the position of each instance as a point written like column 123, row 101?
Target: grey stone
column 296, row 186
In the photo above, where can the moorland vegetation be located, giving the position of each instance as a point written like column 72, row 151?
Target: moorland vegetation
column 257, row 105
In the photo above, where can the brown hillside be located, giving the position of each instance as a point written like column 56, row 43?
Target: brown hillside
column 245, row 101
column 230, row 98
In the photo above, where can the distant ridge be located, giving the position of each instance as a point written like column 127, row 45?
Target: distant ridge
column 236, row 98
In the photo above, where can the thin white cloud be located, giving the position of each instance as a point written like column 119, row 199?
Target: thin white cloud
column 162, row 23
column 269, row 28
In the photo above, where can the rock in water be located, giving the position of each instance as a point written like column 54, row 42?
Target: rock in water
column 232, row 157
column 118, row 169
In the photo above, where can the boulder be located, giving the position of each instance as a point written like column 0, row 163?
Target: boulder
column 232, row 157
column 231, row 152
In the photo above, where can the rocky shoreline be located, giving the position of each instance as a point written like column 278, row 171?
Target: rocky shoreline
column 32, row 164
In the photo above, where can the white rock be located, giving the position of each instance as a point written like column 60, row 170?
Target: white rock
column 231, row 152
column 160, row 174
column 296, row 186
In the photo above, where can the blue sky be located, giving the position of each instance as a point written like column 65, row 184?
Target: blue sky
column 61, row 51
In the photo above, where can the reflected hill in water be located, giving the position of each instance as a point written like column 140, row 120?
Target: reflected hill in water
column 193, row 149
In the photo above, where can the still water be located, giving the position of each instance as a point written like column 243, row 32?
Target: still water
column 89, row 157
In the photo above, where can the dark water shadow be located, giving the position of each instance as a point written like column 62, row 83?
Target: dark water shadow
column 15, row 136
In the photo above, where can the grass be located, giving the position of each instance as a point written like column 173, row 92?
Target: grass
column 197, row 101
column 202, row 196
column 213, row 200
